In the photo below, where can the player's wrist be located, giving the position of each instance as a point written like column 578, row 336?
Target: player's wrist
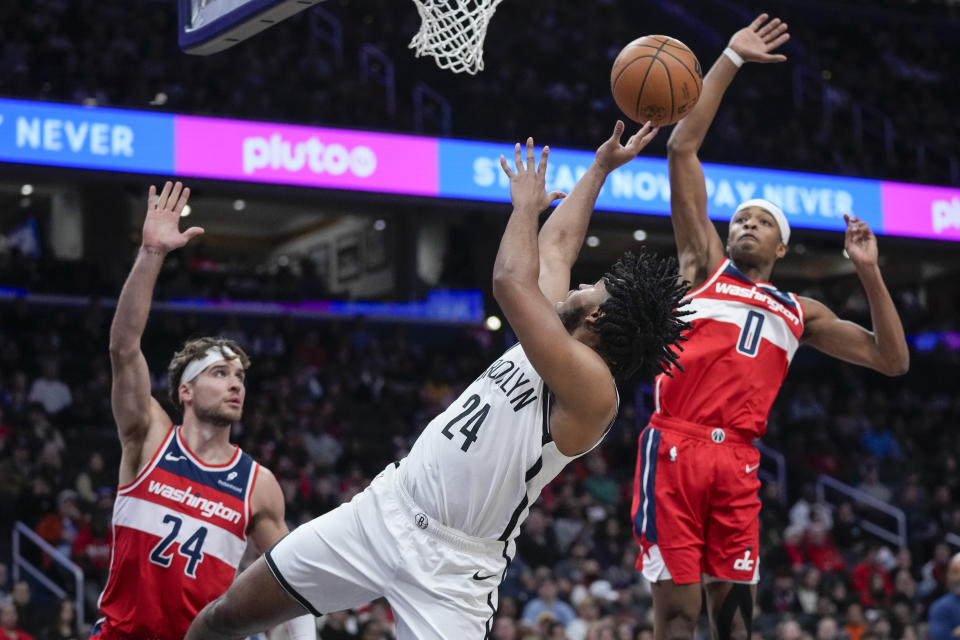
column 153, row 250
column 734, row 56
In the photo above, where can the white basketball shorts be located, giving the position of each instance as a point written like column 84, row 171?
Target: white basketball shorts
column 440, row 582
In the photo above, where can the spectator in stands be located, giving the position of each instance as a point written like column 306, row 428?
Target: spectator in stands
column 871, row 483
column 61, row 528
column 821, row 551
column 789, row 629
column 847, row 532
column 945, row 612
column 854, row 623
column 64, row 627
column 863, row 577
column 547, row 601
column 807, row 510
column 828, row 629
column 4, row 582
column 588, row 612
column 8, row 623
column 934, row 572
column 808, row 593
column 49, row 390
column 505, row 628
column 537, row 545
column 29, row 615
column 92, row 478
column 781, row 597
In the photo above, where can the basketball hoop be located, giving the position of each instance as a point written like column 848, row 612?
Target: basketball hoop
column 452, row 31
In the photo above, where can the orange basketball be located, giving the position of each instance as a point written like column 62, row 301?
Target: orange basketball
column 656, row 78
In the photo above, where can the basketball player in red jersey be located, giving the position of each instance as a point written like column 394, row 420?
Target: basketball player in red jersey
column 695, row 506
column 188, row 500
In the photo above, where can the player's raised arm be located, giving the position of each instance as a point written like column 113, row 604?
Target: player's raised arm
column 134, row 409
column 699, row 246
column 561, row 236
column 578, row 377
column 883, row 349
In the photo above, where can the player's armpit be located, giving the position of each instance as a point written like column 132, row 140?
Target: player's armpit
column 267, row 524
column 845, row 340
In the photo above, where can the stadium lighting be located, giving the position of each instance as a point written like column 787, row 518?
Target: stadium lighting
column 379, row 225
column 26, row 190
column 639, row 235
column 239, row 205
column 493, row 323
column 593, row 241
column 187, row 210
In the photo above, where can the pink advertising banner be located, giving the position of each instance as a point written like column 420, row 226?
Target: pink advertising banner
column 309, row 156
column 920, row 211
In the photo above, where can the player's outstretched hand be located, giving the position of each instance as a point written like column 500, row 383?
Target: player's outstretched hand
column 860, row 243
column 612, row 155
column 755, row 42
column 528, row 183
column 161, row 228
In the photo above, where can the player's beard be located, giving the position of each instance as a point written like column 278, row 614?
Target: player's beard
column 216, row 416
column 571, row 318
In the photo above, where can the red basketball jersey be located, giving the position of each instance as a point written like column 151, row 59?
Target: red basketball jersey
column 743, row 338
column 179, row 531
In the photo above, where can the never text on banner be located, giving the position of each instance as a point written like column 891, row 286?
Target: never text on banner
column 85, row 137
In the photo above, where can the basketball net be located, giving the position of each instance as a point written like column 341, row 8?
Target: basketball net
column 452, row 31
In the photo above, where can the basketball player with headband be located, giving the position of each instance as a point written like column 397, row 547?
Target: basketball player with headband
column 695, row 505
column 188, row 501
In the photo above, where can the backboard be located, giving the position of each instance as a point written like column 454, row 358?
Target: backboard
column 209, row 26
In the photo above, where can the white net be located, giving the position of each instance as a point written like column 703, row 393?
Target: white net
column 452, row 31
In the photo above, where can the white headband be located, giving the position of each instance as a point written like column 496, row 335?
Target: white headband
column 197, row 365
column 773, row 210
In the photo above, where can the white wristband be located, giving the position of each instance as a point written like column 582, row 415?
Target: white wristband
column 734, row 56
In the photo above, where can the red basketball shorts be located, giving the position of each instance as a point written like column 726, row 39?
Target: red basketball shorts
column 695, row 503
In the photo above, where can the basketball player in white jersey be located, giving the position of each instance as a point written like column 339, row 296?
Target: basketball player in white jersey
column 188, row 500
column 434, row 533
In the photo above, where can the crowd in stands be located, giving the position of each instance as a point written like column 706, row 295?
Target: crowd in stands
column 330, row 403
column 878, row 57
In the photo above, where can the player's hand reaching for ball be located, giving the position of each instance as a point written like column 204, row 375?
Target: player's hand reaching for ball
column 755, row 42
column 161, row 228
column 528, row 183
column 612, row 155
column 860, row 243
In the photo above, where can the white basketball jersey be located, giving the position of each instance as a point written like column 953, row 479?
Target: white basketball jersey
column 479, row 465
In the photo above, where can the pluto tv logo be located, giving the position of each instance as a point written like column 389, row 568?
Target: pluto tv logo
column 945, row 214
column 314, row 155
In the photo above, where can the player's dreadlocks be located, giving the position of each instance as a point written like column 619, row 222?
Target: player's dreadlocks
column 641, row 323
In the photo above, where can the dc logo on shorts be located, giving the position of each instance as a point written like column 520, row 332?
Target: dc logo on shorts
column 421, row 520
column 718, row 436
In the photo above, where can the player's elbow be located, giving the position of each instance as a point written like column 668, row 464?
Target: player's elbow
column 893, row 366
column 505, row 284
column 679, row 145
column 122, row 350
column 900, row 366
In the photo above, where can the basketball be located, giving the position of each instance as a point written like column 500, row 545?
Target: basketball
column 656, row 78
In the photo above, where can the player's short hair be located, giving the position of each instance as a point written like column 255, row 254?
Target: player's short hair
column 641, row 325
column 193, row 349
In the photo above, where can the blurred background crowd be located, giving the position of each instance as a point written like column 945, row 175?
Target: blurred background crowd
column 329, row 404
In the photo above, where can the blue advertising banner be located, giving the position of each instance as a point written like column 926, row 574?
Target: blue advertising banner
column 145, row 142
column 472, row 170
column 86, row 137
